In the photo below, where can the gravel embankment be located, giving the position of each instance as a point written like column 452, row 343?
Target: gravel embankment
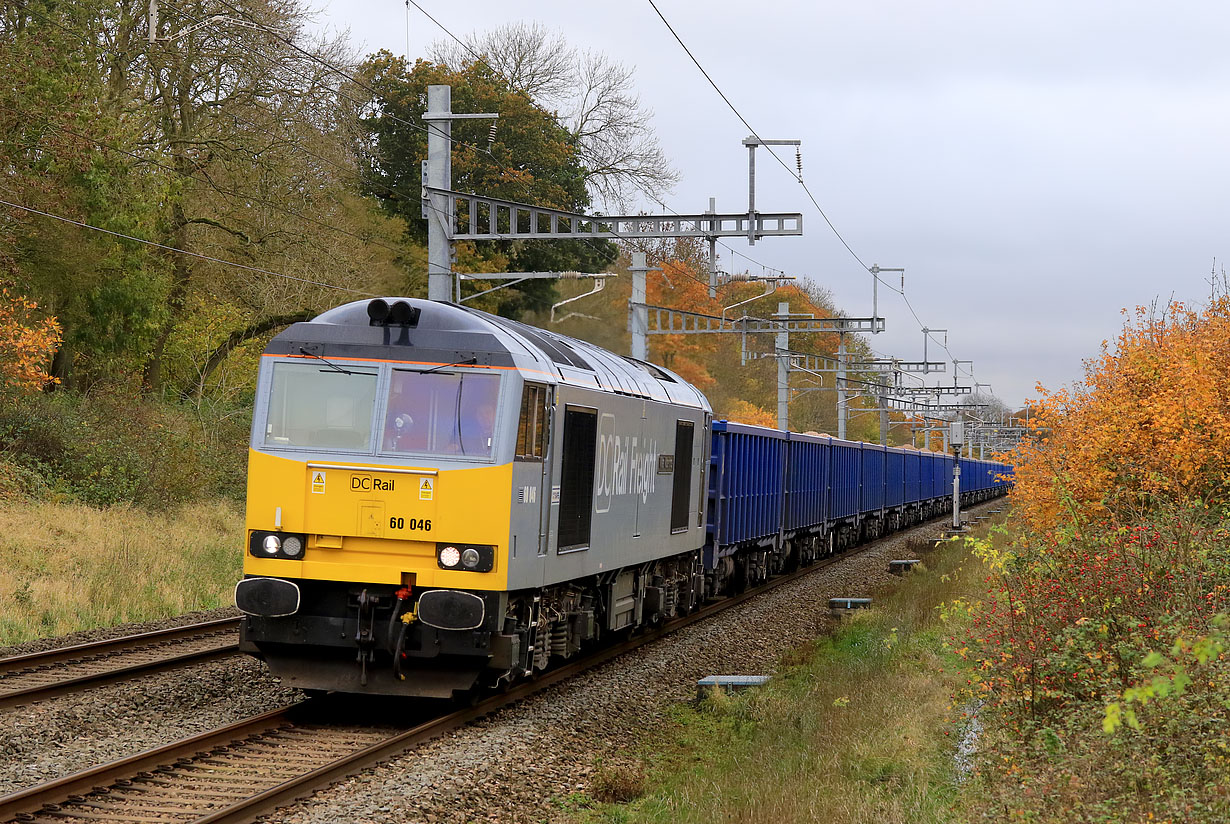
column 519, row 764
column 64, row 735
column 507, row 767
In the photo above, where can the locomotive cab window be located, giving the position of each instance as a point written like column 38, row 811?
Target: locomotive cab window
column 532, row 428
column 311, row 405
column 441, row 413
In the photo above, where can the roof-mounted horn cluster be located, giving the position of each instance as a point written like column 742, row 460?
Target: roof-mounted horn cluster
column 399, row 313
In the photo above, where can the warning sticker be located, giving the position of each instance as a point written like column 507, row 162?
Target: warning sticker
column 318, row 483
column 426, row 489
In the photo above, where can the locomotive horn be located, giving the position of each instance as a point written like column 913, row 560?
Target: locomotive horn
column 401, row 314
column 378, row 311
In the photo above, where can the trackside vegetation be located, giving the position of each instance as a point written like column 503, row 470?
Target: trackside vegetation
column 1081, row 655
column 68, row 567
column 858, row 726
column 1100, row 647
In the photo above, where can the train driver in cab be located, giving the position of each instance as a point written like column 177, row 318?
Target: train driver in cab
column 441, row 413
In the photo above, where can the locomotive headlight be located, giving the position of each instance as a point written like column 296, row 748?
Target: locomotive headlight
column 465, row 557
column 277, row 545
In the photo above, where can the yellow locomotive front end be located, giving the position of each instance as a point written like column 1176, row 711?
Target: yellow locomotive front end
column 378, row 509
column 377, row 524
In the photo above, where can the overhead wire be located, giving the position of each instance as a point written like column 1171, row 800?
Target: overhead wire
column 482, row 153
column 801, row 182
column 221, row 190
column 486, row 155
column 168, row 248
column 478, row 58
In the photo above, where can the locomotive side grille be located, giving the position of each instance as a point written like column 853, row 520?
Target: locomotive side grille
column 682, row 482
column 577, row 477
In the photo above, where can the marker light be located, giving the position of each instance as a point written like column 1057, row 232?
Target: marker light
column 271, row 544
column 449, row 557
column 292, row 546
column 470, row 558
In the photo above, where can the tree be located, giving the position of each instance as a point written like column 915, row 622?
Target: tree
column 1148, row 427
column 596, row 95
column 531, row 160
column 55, row 115
column 226, row 143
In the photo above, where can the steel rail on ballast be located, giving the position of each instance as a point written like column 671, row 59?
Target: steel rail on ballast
column 130, row 781
column 38, row 675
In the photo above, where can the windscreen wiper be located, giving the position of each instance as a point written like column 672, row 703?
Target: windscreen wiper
column 327, row 363
column 466, row 362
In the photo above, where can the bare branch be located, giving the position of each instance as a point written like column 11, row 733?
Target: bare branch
column 597, row 96
column 534, row 59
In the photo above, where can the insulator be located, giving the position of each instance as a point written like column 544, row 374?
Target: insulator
column 798, row 162
column 571, row 275
column 491, row 137
column 745, row 277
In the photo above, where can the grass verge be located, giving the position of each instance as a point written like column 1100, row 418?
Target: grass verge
column 68, row 567
column 856, row 727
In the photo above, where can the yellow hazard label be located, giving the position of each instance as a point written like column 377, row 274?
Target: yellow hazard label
column 318, row 483
column 426, row 489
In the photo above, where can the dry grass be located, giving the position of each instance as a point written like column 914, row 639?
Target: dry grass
column 67, row 567
column 618, row 782
column 859, row 729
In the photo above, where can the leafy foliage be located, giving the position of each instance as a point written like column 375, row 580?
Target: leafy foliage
column 26, row 343
column 108, row 448
column 1102, row 634
column 1149, row 425
column 531, row 159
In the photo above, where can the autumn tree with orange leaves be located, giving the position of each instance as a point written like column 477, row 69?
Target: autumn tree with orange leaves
column 1105, row 627
column 1150, row 424
column 26, row 343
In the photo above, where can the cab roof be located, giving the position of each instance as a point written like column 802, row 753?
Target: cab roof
column 446, row 333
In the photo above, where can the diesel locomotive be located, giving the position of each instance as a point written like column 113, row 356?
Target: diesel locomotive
column 440, row 499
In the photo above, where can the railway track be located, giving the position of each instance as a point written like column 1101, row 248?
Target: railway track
column 39, row 675
column 247, row 769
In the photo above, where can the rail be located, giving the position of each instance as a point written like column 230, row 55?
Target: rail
column 38, row 675
column 247, row 769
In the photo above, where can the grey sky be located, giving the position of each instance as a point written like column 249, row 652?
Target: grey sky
column 1035, row 167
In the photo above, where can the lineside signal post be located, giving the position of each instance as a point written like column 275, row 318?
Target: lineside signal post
column 956, row 438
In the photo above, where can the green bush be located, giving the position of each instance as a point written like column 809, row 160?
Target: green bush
column 106, row 448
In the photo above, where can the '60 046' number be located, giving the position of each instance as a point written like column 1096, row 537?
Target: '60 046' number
column 420, row 524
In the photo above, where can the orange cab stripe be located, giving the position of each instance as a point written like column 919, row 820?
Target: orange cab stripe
column 560, row 377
